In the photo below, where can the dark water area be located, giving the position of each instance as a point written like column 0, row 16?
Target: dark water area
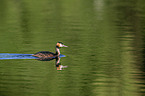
column 106, row 49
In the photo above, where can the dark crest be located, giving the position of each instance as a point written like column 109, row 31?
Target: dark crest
column 60, row 42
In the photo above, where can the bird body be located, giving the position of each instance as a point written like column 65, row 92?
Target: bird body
column 47, row 54
column 44, row 54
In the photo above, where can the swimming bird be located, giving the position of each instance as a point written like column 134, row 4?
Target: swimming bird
column 47, row 54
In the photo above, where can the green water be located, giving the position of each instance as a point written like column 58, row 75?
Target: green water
column 106, row 49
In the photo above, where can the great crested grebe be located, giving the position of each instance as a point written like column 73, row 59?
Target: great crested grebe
column 47, row 54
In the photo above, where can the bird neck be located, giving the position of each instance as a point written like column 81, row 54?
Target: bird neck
column 57, row 51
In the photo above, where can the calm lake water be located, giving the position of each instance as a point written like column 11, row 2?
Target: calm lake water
column 106, row 49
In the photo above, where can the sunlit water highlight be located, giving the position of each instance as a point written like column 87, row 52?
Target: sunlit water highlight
column 19, row 56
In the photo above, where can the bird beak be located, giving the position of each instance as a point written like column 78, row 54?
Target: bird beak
column 65, row 46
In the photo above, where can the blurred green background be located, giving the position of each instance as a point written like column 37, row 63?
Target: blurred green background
column 105, row 56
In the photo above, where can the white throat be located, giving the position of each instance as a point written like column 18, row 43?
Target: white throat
column 57, row 51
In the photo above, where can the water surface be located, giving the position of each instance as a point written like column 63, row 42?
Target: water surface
column 105, row 56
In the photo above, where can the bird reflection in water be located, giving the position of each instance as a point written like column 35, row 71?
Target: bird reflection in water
column 57, row 63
